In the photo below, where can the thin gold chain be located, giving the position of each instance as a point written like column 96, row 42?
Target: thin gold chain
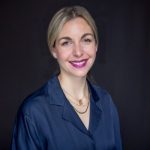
column 79, row 101
column 80, row 112
column 83, row 112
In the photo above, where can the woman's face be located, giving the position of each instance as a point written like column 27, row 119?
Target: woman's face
column 75, row 48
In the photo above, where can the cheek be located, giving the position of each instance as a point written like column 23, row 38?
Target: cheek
column 91, row 51
column 63, row 55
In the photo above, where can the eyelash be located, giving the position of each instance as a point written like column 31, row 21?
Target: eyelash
column 87, row 40
column 66, row 43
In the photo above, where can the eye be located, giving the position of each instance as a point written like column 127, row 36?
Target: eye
column 66, row 43
column 87, row 40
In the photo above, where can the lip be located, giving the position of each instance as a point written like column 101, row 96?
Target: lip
column 79, row 63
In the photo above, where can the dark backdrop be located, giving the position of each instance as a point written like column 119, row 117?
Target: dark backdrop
column 122, row 65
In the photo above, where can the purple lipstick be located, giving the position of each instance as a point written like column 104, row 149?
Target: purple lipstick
column 79, row 63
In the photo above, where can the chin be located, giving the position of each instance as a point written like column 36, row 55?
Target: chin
column 79, row 74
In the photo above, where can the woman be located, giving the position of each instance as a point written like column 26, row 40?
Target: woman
column 69, row 112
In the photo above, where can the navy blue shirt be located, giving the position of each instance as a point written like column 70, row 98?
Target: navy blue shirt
column 47, row 121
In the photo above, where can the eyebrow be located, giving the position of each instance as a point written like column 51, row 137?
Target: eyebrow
column 68, row 38
column 64, row 38
column 87, row 34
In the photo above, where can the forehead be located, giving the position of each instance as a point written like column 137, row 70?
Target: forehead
column 75, row 26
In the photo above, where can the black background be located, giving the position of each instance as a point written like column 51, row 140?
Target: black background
column 122, row 65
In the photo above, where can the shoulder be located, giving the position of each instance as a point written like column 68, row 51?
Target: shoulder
column 39, row 101
column 34, row 102
column 105, row 103
column 99, row 92
column 102, row 92
column 101, row 96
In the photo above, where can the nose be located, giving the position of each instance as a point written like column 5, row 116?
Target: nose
column 78, row 50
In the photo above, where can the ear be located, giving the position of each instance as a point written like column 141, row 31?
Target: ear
column 53, row 52
column 96, row 48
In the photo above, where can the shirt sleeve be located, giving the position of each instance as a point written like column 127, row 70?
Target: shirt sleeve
column 25, row 135
column 116, row 126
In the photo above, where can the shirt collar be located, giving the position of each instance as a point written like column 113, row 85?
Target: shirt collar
column 58, row 98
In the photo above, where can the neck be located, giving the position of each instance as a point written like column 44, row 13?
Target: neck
column 77, row 87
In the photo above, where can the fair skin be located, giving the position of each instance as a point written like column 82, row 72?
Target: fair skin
column 75, row 51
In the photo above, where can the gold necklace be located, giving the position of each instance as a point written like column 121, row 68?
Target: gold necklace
column 80, row 103
column 80, row 112
column 83, row 112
